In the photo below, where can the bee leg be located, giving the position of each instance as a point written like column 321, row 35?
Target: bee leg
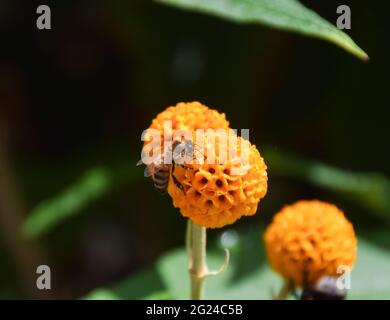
column 178, row 184
column 175, row 181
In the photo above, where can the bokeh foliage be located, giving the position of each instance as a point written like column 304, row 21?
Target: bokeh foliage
column 288, row 15
column 108, row 69
column 370, row 190
column 248, row 276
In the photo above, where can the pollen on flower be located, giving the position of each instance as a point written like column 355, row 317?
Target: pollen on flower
column 190, row 116
column 310, row 239
column 214, row 194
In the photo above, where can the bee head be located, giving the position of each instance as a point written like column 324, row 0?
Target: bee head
column 182, row 150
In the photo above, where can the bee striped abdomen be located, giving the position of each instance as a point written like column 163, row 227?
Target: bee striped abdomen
column 161, row 178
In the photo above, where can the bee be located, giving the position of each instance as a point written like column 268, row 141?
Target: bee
column 162, row 172
column 325, row 288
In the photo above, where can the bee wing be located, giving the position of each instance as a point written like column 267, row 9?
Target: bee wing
column 184, row 152
column 196, row 153
column 197, row 149
column 149, row 171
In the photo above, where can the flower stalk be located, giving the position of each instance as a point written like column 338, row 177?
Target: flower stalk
column 197, row 259
column 196, row 243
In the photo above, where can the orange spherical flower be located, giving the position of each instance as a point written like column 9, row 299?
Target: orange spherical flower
column 220, row 193
column 190, row 116
column 308, row 240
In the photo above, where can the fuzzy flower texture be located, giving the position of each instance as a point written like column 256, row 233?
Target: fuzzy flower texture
column 312, row 238
column 213, row 196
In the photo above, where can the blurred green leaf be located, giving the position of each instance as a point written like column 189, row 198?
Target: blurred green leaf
column 48, row 214
column 169, row 279
column 369, row 190
column 289, row 15
column 173, row 268
column 146, row 284
column 102, row 294
column 370, row 278
column 93, row 185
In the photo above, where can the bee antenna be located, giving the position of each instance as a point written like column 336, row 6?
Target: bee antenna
column 196, row 148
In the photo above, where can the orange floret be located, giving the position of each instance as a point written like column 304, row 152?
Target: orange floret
column 190, row 116
column 214, row 196
column 311, row 237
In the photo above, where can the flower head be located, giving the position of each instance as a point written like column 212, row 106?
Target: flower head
column 219, row 193
column 310, row 239
column 190, row 116
column 217, row 190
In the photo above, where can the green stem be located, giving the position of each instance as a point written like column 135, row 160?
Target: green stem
column 197, row 265
column 196, row 246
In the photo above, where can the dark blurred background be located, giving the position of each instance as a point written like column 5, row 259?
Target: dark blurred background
column 79, row 95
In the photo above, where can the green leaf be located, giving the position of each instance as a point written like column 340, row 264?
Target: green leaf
column 248, row 275
column 369, row 190
column 169, row 278
column 370, row 278
column 289, row 15
column 93, row 185
column 52, row 212
column 102, row 294
column 146, row 284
